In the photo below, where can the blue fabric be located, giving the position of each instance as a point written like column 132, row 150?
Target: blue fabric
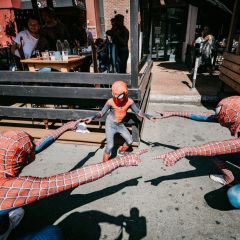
column 46, row 69
column 46, row 143
column 203, row 118
column 234, row 195
column 47, row 233
column 6, row 211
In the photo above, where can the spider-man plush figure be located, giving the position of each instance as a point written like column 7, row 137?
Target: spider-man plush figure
column 18, row 149
column 227, row 114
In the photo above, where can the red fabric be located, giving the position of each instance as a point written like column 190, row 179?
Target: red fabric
column 229, row 115
column 120, row 111
column 17, row 150
column 118, row 88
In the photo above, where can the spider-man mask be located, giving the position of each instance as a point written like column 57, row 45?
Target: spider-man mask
column 17, row 150
column 228, row 111
column 120, row 93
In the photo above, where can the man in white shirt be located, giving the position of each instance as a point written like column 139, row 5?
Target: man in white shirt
column 26, row 41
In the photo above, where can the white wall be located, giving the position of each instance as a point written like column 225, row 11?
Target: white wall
column 191, row 27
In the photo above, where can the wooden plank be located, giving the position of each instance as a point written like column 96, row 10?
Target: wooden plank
column 231, row 57
column 67, row 137
column 59, row 77
column 231, row 83
column 233, row 25
column 47, row 113
column 144, row 106
column 60, row 92
column 234, row 76
column 145, row 78
column 231, row 66
column 42, row 113
column 142, row 62
column 134, row 42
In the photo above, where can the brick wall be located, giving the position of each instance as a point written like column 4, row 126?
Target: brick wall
column 118, row 6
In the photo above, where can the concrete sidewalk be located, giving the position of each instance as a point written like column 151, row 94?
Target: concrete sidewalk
column 171, row 83
column 150, row 202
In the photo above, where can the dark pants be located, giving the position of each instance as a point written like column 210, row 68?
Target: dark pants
column 123, row 54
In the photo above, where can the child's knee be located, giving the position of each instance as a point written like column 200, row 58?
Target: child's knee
column 129, row 141
column 109, row 149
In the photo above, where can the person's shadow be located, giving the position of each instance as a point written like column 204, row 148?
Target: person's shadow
column 202, row 165
column 86, row 225
column 48, row 210
column 216, row 199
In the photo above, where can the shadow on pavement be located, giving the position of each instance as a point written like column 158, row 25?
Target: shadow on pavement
column 49, row 210
column 203, row 166
column 88, row 225
column 178, row 66
column 218, row 199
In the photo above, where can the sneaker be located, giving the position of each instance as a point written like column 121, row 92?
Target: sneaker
column 15, row 217
column 218, row 178
column 124, row 150
column 120, row 153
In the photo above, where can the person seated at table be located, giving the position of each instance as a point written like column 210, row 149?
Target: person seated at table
column 52, row 31
column 25, row 42
column 102, row 55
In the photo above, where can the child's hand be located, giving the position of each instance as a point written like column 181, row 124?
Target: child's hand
column 87, row 120
column 73, row 124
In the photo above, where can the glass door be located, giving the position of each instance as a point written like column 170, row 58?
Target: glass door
column 168, row 33
column 159, row 26
column 175, row 34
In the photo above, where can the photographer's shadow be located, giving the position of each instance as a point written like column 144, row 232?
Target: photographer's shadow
column 64, row 202
column 86, row 225
column 203, row 166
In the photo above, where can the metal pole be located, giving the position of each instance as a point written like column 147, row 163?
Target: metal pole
column 233, row 25
column 35, row 8
column 195, row 71
column 134, row 42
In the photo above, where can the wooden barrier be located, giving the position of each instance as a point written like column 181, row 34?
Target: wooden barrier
column 230, row 71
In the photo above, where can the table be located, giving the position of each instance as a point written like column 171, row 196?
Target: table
column 35, row 64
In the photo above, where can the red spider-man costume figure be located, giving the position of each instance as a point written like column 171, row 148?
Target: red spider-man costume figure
column 117, row 108
column 18, row 149
column 227, row 114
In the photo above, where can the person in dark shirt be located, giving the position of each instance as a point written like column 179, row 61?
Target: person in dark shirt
column 51, row 31
column 119, row 36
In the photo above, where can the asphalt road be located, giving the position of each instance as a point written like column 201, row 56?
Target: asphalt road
column 150, row 201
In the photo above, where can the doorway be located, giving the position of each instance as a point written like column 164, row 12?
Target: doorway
column 168, row 33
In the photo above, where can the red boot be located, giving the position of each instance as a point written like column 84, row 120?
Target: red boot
column 123, row 149
column 106, row 157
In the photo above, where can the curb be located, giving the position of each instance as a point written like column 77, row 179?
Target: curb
column 182, row 99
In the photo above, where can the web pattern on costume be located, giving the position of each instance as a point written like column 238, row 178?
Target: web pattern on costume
column 18, row 150
column 229, row 116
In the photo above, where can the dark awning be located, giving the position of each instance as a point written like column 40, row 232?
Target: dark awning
column 26, row 4
column 220, row 5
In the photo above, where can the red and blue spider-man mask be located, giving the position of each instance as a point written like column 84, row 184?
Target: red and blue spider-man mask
column 18, row 150
column 120, row 93
column 228, row 113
